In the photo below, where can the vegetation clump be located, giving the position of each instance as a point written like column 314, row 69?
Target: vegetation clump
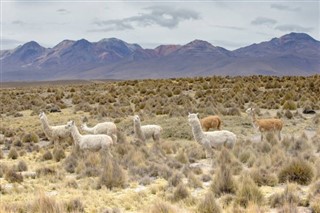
column 298, row 170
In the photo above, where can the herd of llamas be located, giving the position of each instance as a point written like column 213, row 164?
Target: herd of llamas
column 103, row 135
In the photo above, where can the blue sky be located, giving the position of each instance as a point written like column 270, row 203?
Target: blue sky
column 230, row 24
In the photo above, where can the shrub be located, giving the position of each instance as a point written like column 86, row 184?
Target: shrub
column 13, row 154
column 112, row 175
column 288, row 114
column 298, row 171
column 262, row 177
column 182, row 157
column 22, row 166
column 289, row 105
column 46, row 204
column 161, row 207
column 29, row 138
column 13, row 177
column 208, row 205
column 47, row 156
column 74, row 205
column 315, row 205
column 17, row 142
column 180, row 193
column 58, row 154
column 72, row 184
column 289, row 195
column 193, row 181
column 70, row 163
column 175, row 179
column 223, row 182
column 249, row 192
column 43, row 171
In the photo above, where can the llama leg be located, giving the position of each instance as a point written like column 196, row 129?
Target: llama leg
column 261, row 136
column 279, row 135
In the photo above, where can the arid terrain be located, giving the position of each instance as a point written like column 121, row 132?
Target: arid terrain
column 173, row 175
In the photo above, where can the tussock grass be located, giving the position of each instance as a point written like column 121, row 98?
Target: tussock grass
column 298, row 170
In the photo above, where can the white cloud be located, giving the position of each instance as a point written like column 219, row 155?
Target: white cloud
column 226, row 23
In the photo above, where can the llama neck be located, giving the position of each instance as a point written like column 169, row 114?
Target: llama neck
column 46, row 127
column 254, row 120
column 88, row 129
column 76, row 134
column 197, row 131
column 137, row 130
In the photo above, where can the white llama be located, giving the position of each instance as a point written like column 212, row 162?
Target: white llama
column 146, row 131
column 54, row 133
column 213, row 139
column 108, row 128
column 89, row 142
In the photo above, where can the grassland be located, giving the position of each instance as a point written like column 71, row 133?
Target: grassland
column 172, row 176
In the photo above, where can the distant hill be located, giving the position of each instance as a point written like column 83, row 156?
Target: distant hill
column 291, row 54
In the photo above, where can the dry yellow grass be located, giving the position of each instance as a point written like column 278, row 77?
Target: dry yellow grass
column 152, row 166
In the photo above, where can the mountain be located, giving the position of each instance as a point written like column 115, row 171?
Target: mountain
column 290, row 54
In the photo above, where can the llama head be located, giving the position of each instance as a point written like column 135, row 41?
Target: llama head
column 192, row 115
column 41, row 115
column 192, row 118
column 250, row 111
column 83, row 126
column 70, row 124
column 136, row 118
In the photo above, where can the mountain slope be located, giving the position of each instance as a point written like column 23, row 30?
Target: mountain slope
column 291, row 54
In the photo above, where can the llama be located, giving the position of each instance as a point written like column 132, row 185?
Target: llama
column 108, row 128
column 265, row 125
column 147, row 131
column 212, row 121
column 89, row 142
column 54, row 133
column 210, row 140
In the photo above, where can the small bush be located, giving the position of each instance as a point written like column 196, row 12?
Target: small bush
column 1, row 154
column 72, row 184
column 262, row 177
column 29, row 138
column 180, row 193
column 193, row 181
column 58, row 154
column 208, row 205
column 70, row 163
column 17, row 142
column 13, row 177
column 182, row 157
column 289, row 195
column 112, row 175
column 223, row 182
column 74, row 205
column 161, row 207
column 46, row 204
column 289, row 105
column 13, row 154
column 298, row 171
column 249, row 193
column 22, row 166
column 175, row 179
column 44, row 171
column 315, row 205
column 288, row 114
column 47, row 156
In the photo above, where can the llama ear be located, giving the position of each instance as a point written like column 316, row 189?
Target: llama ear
column 72, row 122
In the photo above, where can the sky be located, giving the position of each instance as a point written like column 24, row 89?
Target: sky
column 224, row 23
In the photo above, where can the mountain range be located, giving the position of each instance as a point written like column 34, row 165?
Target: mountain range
column 290, row 54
